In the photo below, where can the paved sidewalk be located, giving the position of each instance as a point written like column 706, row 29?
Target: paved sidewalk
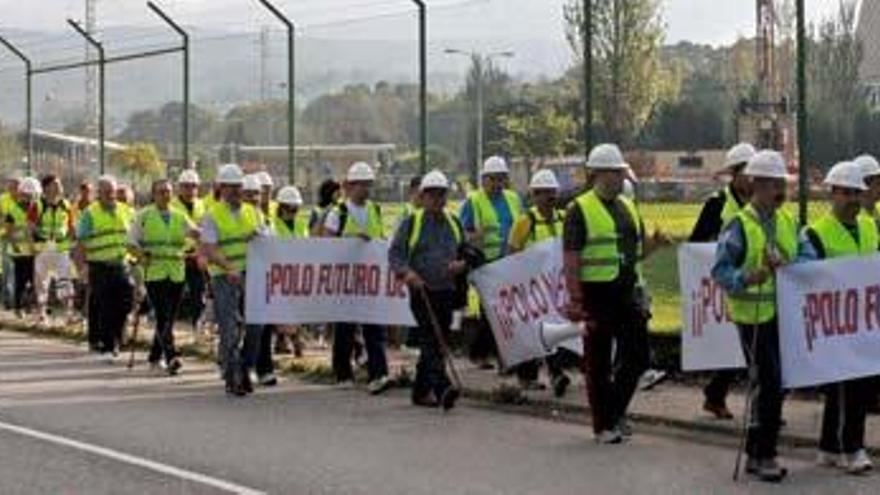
column 669, row 404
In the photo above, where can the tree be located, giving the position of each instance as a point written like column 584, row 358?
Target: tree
column 140, row 161
column 11, row 151
column 628, row 78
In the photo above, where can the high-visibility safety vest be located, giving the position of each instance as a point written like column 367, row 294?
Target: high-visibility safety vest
column 7, row 199
column 20, row 243
column 164, row 243
column 106, row 243
column 757, row 303
column 300, row 228
column 233, row 234
column 418, row 222
column 730, row 208
column 837, row 241
column 53, row 226
column 349, row 228
column 486, row 220
column 199, row 209
column 541, row 228
column 601, row 257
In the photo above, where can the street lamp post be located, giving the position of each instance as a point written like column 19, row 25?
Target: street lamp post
column 29, row 77
column 479, row 61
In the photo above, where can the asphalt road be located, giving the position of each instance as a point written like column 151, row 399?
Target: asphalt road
column 72, row 425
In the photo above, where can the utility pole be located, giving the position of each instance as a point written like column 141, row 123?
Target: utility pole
column 588, row 77
column 101, row 94
column 423, row 85
column 91, row 26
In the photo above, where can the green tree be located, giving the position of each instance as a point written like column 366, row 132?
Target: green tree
column 140, row 162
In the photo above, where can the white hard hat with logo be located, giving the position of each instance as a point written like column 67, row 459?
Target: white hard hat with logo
column 434, row 179
column 230, row 175
column 868, row 165
column 740, row 154
column 544, row 179
column 847, row 175
column 360, row 172
column 251, row 183
column 766, row 164
column 30, row 186
column 494, row 165
column 290, row 196
column 265, row 179
column 606, row 156
column 189, row 176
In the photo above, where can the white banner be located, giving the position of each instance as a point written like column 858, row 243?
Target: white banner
column 829, row 327
column 519, row 293
column 709, row 340
column 323, row 281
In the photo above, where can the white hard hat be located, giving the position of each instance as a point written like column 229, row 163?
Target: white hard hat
column 606, row 157
column 290, row 196
column 230, row 175
column 434, row 179
column 767, row 164
column 360, row 172
column 544, row 179
column 265, row 179
column 189, row 176
column 251, row 183
column 739, row 154
column 846, row 174
column 494, row 165
column 868, row 165
column 31, row 186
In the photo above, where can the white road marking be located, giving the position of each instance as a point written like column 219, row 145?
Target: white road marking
column 131, row 459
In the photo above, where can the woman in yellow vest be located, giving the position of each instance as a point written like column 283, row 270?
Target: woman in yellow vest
column 843, row 232
column 225, row 233
column 603, row 245
column 543, row 221
column 20, row 236
column 158, row 238
column 358, row 217
column 53, row 232
column 101, row 256
column 761, row 238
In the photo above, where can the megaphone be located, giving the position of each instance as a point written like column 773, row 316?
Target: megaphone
column 552, row 334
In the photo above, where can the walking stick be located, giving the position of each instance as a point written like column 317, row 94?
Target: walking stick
column 441, row 339
column 132, row 342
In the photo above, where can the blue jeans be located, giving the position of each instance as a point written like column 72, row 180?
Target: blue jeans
column 229, row 313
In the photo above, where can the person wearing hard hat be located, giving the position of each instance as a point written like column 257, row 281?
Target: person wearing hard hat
column 870, row 168
column 100, row 256
column 225, row 233
column 760, row 238
column 20, row 236
column 843, row 232
column 603, row 245
column 187, row 201
column 541, row 222
column 7, row 199
column 717, row 211
column 329, row 193
column 158, row 239
column 268, row 206
column 53, row 233
column 358, row 217
column 425, row 254
column 413, row 201
column 487, row 216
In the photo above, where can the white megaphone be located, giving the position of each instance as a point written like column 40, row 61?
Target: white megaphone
column 552, row 334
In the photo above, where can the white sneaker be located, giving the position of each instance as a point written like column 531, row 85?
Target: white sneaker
column 379, row 385
column 345, row 384
column 860, row 462
column 608, row 437
column 831, row 460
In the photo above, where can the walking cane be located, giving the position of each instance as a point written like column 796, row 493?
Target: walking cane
column 132, row 343
column 441, row 339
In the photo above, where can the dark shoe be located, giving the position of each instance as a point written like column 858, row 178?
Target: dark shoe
column 450, row 396
column 246, row 383
column 560, row 385
column 174, row 367
column 720, row 411
column 427, row 400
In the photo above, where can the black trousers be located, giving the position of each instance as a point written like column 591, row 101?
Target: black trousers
column 846, row 409
column 343, row 345
column 195, row 289
column 719, row 386
column 761, row 348
column 165, row 297
column 612, row 379
column 529, row 371
column 483, row 345
column 24, row 277
column 431, row 367
column 265, row 365
column 110, row 301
